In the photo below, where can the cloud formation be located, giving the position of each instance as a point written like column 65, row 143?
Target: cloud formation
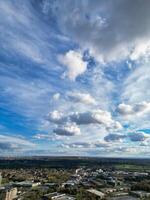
column 74, row 63
column 62, row 76
column 87, row 145
column 114, row 137
column 110, row 29
column 95, row 117
column 67, row 130
column 10, row 144
column 137, row 109
column 138, row 136
column 98, row 117
column 84, row 98
column 56, row 117
column 132, row 136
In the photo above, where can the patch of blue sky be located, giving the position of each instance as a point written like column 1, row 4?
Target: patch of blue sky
column 147, row 131
column 14, row 123
column 117, row 72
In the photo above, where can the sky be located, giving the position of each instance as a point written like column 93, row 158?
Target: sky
column 74, row 78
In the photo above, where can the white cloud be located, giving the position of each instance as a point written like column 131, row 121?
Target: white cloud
column 56, row 96
column 125, row 109
column 69, row 129
column 55, row 116
column 136, row 109
column 98, row 116
column 136, row 84
column 84, row 98
column 30, row 51
column 41, row 136
column 79, row 145
column 136, row 95
column 20, row 39
column 141, row 50
column 74, row 63
column 96, row 144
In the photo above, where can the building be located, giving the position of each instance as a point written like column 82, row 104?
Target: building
column 95, row 193
column 11, row 194
column 8, row 193
column 57, row 196
column 0, row 179
column 108, row 190
column 140, row 194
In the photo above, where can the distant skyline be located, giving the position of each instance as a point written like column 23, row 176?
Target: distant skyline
column 75, row 78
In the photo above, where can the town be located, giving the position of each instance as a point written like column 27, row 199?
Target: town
column 108, row 182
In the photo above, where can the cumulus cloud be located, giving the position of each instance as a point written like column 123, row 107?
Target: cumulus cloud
column 136, row 109
column 84, row 98
column 138, row 136
column 132, row 136
column 114, row 137
column 125, row 109
column 55, row 117
column 96, row 117
column 100, row 117
column 56, row 96
column 111, row 30
column 74, row 63
column 67, row 130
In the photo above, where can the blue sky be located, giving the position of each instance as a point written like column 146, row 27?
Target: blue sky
column 74, row 78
